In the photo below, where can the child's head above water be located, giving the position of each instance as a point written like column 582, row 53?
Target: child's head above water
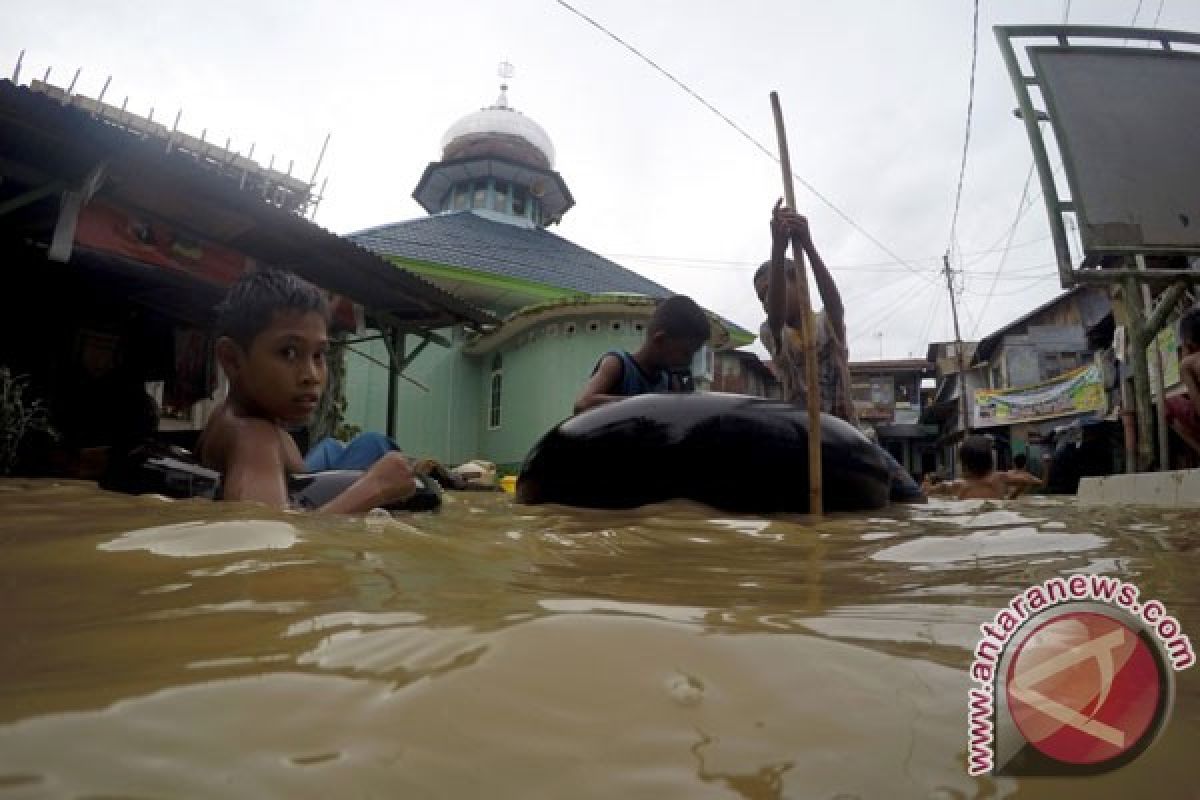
column 976, row 456
column 252, row 302
column 677, row 330
column 272, row 338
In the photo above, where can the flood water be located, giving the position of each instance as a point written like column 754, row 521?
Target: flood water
column 151, row 648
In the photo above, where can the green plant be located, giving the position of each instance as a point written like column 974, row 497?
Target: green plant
column 19, row 414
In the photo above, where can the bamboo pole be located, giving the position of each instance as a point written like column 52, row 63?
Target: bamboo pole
column 807, row 324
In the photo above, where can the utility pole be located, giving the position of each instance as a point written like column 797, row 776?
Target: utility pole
column 958, row 348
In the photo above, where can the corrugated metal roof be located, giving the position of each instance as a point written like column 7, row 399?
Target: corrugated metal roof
column 60, row 142
column 986, row 345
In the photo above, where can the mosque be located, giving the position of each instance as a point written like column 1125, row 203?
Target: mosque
column 490, row 394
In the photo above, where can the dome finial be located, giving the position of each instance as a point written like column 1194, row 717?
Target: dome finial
column 505, row 71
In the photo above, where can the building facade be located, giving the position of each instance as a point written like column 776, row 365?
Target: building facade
column 1032, row 356
column 944, row 411
column 889, row 398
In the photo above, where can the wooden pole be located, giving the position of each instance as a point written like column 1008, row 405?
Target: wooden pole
column 807, row 325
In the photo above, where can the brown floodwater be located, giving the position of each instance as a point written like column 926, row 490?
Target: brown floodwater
column 151, row 648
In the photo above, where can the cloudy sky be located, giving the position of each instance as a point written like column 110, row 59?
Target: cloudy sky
column 874, row 93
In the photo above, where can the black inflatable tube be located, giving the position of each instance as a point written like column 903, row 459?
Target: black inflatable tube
column 732, row 452
column 315, row 489
column 174, row 473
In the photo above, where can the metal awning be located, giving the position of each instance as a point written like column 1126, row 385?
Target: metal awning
column 48, row 148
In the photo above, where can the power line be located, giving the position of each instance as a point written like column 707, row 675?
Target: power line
column 739, row 266
column 927, row 328
column 1021, row 290
column 1004, row 257
column 1136, row 11
column 1158, row 13
column 860, row 265
column 962, row 169
column 898, row 305
column 812, row 189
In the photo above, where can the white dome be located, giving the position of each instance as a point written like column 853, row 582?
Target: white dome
column 501, row 120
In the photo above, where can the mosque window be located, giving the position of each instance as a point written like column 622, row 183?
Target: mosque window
column 519, row 201
column 479, row 198
column 460, row 197
column 497, row 386
column 500, row 198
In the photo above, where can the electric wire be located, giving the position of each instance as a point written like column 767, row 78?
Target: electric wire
column 980, row 254
column 962, row 169
column 1136, row 11
column 803, row 182
column 1158, row 13
column 1004, row 256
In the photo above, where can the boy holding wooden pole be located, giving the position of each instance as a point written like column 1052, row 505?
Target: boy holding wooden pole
column 776, row 283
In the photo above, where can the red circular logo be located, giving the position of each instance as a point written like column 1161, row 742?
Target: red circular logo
column 1084, row 688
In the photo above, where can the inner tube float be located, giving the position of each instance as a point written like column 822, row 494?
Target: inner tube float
column 174, row 472
column 729, row 451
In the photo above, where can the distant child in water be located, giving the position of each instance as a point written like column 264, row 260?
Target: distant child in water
column 1021, row 470
column 677, row 330
column 272, row 342
column 980, row 479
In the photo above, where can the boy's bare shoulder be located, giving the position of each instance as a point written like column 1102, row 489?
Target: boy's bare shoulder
column 228, row 434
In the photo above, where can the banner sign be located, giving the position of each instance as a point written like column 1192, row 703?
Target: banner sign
column 111, row 230
column 108, row 229
column 1077, row 392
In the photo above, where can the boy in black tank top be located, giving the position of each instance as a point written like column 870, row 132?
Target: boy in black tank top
column 677, row 330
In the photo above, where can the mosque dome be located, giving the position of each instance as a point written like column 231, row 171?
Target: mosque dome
column 499, row 131
column 498, row 163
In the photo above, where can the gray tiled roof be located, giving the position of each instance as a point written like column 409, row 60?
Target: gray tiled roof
column 470, row 241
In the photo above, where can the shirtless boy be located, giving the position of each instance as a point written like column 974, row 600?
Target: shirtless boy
column 272, row 340
column 980, row 479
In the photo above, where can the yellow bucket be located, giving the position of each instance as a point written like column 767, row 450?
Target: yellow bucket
column 509, row 483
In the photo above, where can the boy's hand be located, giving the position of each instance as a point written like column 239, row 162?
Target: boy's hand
column 796, row 225
column 780, row 236
column 787, row 225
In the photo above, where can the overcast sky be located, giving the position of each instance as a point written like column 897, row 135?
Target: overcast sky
column 874, row 94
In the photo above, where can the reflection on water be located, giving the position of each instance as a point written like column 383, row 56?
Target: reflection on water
column 152, row 648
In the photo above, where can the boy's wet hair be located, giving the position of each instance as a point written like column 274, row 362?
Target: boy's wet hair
column 680, row 318
column 256, row 297
column 976, row 455
column 1189, row 327
column 1020, row 460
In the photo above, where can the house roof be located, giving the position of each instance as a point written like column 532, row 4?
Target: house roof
column 988, row 344
column 471, row 241
column 51, row 144
column 522, row 254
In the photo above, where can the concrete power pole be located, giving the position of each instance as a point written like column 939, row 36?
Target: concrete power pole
column 958, row 349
